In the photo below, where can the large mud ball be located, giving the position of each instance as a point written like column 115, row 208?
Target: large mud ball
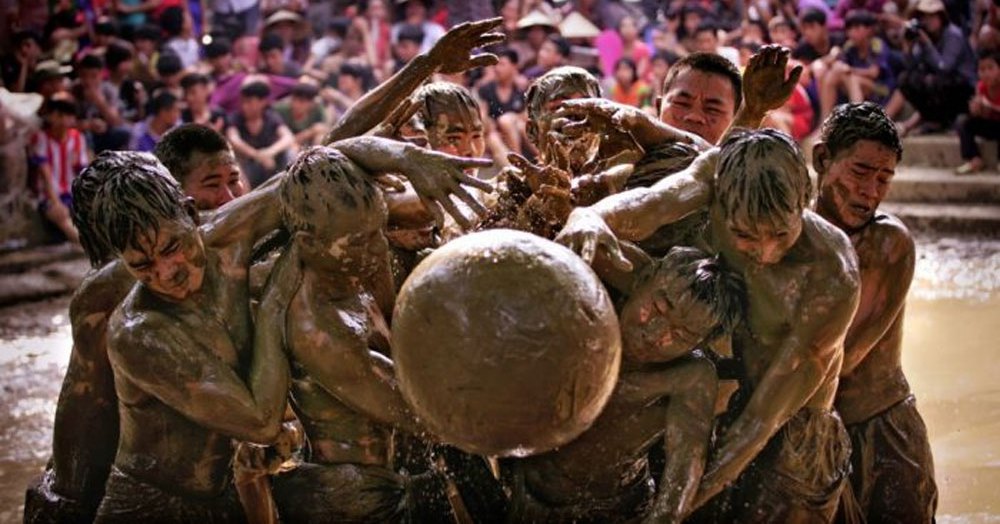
column 506, row 344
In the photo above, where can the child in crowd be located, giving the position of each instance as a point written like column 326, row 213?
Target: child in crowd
column 58, row 152
column 983, row 119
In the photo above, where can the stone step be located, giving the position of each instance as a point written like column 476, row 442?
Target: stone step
column 942, row 150
column 21, row 260
column 980, row 219
column 938, row 185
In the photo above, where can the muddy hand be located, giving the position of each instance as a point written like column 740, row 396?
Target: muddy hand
column 765, row 85
column 536, row 176
column 453, row 52
column 437, row 176
column 585, row 231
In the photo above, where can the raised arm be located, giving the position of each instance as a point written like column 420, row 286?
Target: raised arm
column 451, row 54
column 803, row 360
column 168, row 363
column 765, row 86
column 884, row 285
column 604, row 116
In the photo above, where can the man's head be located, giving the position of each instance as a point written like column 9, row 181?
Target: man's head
column 335, row 214
column 27, row 45
column 408, row 42
column 452, row 119
column 196, row 90
column 89, row 70
column 542, row 100
column 933, row 16
column 706, row 38
column 302, row 98
column 856, row 159
column 200, row 159
column 685, row 299
column 701, row 94
column 118, row 58
column 164, row 108
column 149, row 223
column 147, row 38
column 554, row 52
column 782, row 31
column 506, row 67
column 219, row 55
column 50, row 77
column 989, row 67
column 253, row 98
column 860, row 27
column 60, row 111
column 272, row 53
column 170, row 68
column 85, row 187
column 761, row 188
column 352, row 78
column 812, row 23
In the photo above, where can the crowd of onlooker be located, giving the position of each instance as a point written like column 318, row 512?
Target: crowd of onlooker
column 273, row 76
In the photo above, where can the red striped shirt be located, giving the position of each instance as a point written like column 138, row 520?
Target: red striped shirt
column 65, row 157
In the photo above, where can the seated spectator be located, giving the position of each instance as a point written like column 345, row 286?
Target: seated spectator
column 147, row 43
column 503, row 103
column 983, row 119
column 199, row 111
column 57, row 152
column 263, row 143
column 817, row 48
column 98, row 106
column 782, row 31
column 627, row 43
column 272, row 56
column 303, row 115
column 706, row 40
column 415, row 14
column 179, row 28
column 49, row 78
column 170, row 70
column 164, row 113
column 118, row 59
column 407, row 45
column 18, row 67
column 219, row 58
column 553, row 53
column 351, row 83
column 627, row 88
column 939, row 74
column 862, row 70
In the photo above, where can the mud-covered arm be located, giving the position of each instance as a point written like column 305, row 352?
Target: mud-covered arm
column 800, row 365
column 85, row 433
column 637, row 213
column 766, row 85
column 596, row 115
column 884, row 285
column 451, row 54
column 167, row 362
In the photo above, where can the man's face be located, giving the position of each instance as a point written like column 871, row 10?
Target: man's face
column 90, row 77
column 221, row 64
column 170, row 115
column 274, row 61
column 854, row 184
column 706, row 42
column 989, row 71
column 300, row 105
column 505, row 69
column 458, row 132
column 548, row 56
column 859, row 34
column 662, row 317
column 251, row 106
column 761, row 243
column 214, row 180
column 171, row 262
column 406, row 50
column 196, row 95
column 813, row 33
column 700, row 103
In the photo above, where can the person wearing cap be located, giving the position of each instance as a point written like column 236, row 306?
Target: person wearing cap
column 303, row 115
column 99, row 108
column 415, row 13
column 533, row 30
column 49, row 78
column 939, row 71
column 57, row 153
column 17, row 68
column 862, row 71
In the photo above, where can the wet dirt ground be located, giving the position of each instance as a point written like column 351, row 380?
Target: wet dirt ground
column 951, row 358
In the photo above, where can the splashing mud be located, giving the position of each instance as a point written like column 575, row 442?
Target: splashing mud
column 949, row 356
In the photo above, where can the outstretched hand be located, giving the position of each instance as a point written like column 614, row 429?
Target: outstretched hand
column 596, row 115
column 437, row 176
column 765, row 84
column 453, row 52
column 586, row 231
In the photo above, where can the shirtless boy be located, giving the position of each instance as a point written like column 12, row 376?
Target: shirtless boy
column 892, row 473
column 802, row 286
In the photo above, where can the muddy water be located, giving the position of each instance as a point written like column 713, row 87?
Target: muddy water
column 951, row 358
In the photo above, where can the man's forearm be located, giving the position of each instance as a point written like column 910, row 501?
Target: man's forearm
column 375, row 155
column 636, row 214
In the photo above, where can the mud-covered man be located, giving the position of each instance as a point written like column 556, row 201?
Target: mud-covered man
column 802, row 286
column 666, row 393
column 892, row 474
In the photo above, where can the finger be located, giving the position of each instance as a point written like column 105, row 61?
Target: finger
column 482, row 26
column 618, row 259
column 518, row 161
column 470, row 180
column 576, row 129
column 794, row 77
column 475, row 205
column 588, row 249
column 489, row 39
column 474, row 162
column 483, row 60
column 452, row 210
column 434, row 209
column 392, row 183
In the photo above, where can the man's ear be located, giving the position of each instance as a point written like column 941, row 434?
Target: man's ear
column 821, row 158
column 191, row 210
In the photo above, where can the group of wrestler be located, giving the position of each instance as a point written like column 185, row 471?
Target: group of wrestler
column 761, row 324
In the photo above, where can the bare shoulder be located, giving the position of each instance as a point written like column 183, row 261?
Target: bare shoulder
column 100, row 292
column 888, row 239
column 834, row 260
column 134, row 329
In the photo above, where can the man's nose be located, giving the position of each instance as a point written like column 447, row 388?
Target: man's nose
column 695, row 116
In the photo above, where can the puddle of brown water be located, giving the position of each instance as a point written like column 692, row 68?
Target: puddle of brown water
column 950, row 357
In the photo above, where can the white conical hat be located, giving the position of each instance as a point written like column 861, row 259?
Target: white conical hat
column 536, row 17
column 576, row 25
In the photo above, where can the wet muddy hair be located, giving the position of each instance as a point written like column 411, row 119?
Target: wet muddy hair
column 709, row 63
column 761, row 178
column 320, row 183
column 566, row 79
column 176, row 147
column 437, row 98
column 708, row 281
column 850, row 123
column 85, row 188
column 134, row 199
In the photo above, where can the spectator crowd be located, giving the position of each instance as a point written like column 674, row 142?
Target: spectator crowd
column 274, row 76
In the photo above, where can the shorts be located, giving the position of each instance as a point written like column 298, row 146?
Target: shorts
column 65, row 198
column 340, row 493
column 798, row 477
column 129, row 500
column 892, row 477
column 629, row 505
column 42, row 505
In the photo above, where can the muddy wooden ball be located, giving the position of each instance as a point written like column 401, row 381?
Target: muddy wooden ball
column 505, row 343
